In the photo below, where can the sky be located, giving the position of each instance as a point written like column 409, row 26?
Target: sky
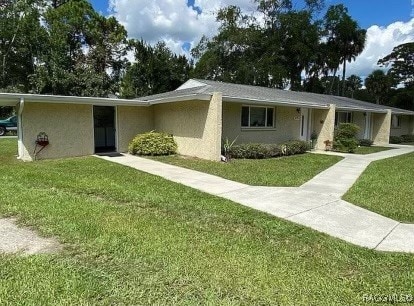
column 181, row 23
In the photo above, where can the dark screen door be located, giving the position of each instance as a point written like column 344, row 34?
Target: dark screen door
column 104, row 128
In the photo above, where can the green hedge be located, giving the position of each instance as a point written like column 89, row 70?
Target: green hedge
column 365, row 142
column 261, row 151
column 407, row 138
column 395, row 139
column 345, row 139
column 153, row 143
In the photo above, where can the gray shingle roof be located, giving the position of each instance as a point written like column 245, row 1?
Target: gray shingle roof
column 256, row 94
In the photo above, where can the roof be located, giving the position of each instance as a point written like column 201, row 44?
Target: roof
column 201, row 89
column 12, row 99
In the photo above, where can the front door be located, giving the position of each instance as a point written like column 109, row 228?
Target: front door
column 104, row 128
column 304, row 124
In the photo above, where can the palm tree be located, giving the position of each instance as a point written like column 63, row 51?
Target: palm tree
column 345, row 39
column 379, row 84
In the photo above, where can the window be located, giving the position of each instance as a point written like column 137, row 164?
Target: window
column 253, row 116
column 343, row 117
column 396, row 121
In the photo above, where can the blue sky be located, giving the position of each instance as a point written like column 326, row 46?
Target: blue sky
column 181, row 23
column 366, row 12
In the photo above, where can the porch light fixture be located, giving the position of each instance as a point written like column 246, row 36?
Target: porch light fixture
column 298, row 110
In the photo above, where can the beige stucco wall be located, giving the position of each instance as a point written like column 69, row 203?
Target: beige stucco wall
column 405, row 126
column 287, row 125
column 381, row 125
column 131, row 121
column 69, row 127
column 323, row 124
column 196, row 126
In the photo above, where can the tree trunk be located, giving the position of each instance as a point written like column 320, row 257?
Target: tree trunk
column 332, row 82
column 343, row 78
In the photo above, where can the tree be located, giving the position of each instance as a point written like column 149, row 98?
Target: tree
column 84, row 52
column 345, row 39
column 155, row 70
column 21, row 42
column 272, row 53
column 353, row 83
column 379, row 84
column 401, row 60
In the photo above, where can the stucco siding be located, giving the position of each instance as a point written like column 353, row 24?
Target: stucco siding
column 287, row 126
column 132, row 120
column 323, row 125
column 381, row 128
column 69, row 127
column 196, row 126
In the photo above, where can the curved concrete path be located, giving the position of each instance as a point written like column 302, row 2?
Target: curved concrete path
column 316, row 204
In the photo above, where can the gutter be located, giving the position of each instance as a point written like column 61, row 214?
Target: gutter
column 272, row 103
column 20, row 147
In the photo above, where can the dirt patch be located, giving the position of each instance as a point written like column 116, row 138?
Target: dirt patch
column 17, row 239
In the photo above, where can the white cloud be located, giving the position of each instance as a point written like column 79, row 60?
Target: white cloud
column 175, row 23
column 171, row 20
column 380, row 42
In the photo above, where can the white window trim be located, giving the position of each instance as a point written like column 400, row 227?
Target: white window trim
column 337, row 123
column 398, row 118
column 273, row 127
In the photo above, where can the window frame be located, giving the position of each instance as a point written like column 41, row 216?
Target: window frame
column 349, row 115
column 398, row 118
column 265, row 127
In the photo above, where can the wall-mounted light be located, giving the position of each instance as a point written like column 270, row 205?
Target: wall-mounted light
column 365, row 114
column 298, row 110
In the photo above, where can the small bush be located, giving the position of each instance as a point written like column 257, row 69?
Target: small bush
column 407, row 138
column 153, row 143
column 395, row 139
column 294, row 147
column 255, row 151
column 345, row 138
column 261, row 151
column 365, row 142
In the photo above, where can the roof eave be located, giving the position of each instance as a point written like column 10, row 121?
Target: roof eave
column 14, row 98
column 272, row 102
column 181, row 98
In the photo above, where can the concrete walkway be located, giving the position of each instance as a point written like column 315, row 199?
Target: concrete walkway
column 316, row 204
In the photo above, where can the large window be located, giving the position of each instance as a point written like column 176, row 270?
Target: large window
column 253, row 116
column 396, row 121
column 343, row 117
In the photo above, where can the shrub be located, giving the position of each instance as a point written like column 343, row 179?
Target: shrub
column 153, row 143
column 395, row 139
column 261, row 151
column 365, row 142
column 345, row 137
column 293, row 147
column 255, row 151
column 407, row 138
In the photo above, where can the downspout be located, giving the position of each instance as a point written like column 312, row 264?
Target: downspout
column 20, row 146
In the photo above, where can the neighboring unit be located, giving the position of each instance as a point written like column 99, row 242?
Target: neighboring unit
column 199, row 114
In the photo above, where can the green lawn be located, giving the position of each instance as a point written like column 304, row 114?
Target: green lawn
column 387, row 187
column 135, row 239
column 284, row 171
column 370, row 150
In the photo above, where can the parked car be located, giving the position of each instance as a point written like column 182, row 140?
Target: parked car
column 9, row 124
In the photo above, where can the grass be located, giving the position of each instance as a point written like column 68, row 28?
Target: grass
column 284, row 171
column 369, row 150
column 133, row 238
column 387, row 187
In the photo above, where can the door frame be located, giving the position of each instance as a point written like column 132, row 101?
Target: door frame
column 115, row 125
column 305, row 115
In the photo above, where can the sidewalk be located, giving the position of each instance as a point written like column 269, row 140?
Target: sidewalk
column 316, row 204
